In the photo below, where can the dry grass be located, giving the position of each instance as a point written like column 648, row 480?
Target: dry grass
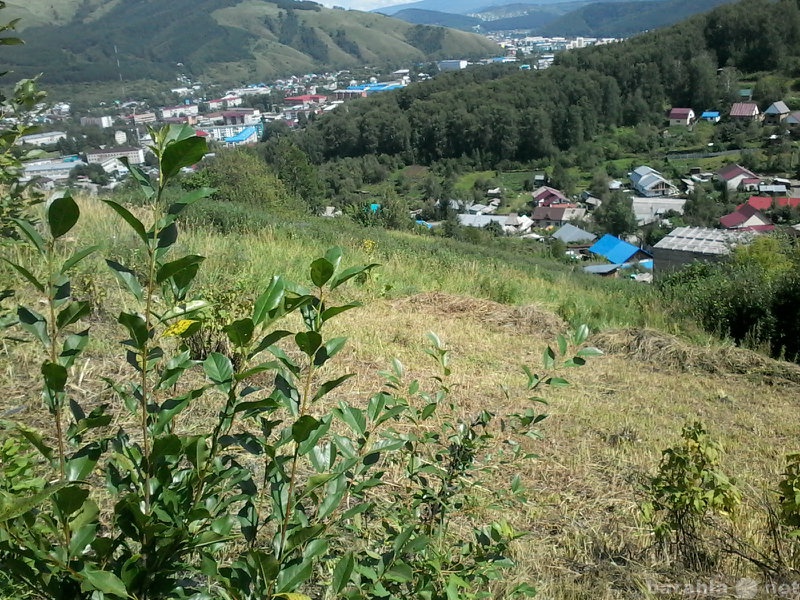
column 606, row 431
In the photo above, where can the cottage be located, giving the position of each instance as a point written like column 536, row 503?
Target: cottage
column 745, row 217
column 733, row 175
column 711, row 116
column 547, row 196
column 744, row 111
column 681, row 116
column 650, row 183
column 617, row 251
column 556, row 216
column 776, row 113
column 574, row 236
column 650, row 210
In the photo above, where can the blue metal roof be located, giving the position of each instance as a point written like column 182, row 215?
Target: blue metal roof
column 709, row 114
column 614, row 249
column 242, row 136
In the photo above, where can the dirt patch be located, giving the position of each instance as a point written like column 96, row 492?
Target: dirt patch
column 531, row 319
column 673, row 353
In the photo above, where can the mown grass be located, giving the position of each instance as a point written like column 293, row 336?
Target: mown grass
column 495, row 308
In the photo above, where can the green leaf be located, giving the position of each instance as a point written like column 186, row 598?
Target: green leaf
column 188, row 199
column 321, row 272
column 182, row 153
column 191, row 261
column 18, row 506
column 581, row 335
column 134, row 223
column 342, row 572
column 291, row 578
column 331, row 312
column 218, row 368
column 557, row 382
column 240, row 332
column 400, row 572
column 562, row 345
column 36, row 440
column 34, row 323
column 269, row 300
column 70, row 499
column 136, row 326
column 62, row 214
column 73, row 312
column 590, row 351
column 353, row 417
column 329, row 386
column 348, row 274
column 77, row 257
column 127, row 278
column 304, row 427
column 184, row 309
column 33, row 235
column 102, row 581
column 55, row 376
column 26, row 274
column 334, row 256
column 141, row 178
column 549, row 358
column 268, row 340
column 308, row 342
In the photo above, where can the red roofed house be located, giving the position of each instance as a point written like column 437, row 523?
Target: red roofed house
column 681, row 116
column 749, row 184
column 733, row 175
column 556, row 216
column 744, row 217
column 547, row 196
column 745, row 111
column 766, row 203
column 305, row 99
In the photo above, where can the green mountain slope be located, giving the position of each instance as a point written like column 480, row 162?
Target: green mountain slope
column 434, row 17
column 229, row 40
column 619, row 19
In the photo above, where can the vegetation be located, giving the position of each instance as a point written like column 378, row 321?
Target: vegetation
column 243, row 41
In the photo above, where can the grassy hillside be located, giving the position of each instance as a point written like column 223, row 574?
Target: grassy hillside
column 241, row 41
column 433, row 17
column 618, row 19
column 584, row 533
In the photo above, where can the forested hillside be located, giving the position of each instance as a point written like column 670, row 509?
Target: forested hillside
column 226, row 40
column 504, row 114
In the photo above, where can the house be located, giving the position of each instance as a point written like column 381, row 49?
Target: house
column 51, row 169
column 681, row 116
column 547, row 196
column 650, row 210
column 774, row 189
column 711, row 116
column 556, row 216
column 617, row 251
column 765, row 203
column 749, row 184
column 248, row 135
column 182, row 110
column 746, row 94
column 744, row 111
column 733, row 175
column 42, row 139
column 574, row 236
column 135, row 156
column 776, row 112
column 517, row 223
column 105, row 122
column 649, row 183
column 743, row 218
column 685, row 245
column 452, row 65
column 792, row 120
column 480, row 220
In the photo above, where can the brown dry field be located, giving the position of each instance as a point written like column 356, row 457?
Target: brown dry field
column 605, row 431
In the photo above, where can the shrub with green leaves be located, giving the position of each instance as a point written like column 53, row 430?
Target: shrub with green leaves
column 688, row 490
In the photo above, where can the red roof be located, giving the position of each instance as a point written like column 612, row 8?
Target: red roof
column 744, row 109
column 200, row 133
column 306, row 98
column 740, row 216
column 680, row 113
column 766, row 203
column 733, row 170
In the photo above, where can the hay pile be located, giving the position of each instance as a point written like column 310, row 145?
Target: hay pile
column 530, row 320
column 671, row 352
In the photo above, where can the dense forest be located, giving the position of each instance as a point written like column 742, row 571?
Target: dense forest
column 505, row 114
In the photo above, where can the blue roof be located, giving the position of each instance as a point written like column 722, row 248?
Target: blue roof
column 710, row 114
column 242, row 136
column 614, row 249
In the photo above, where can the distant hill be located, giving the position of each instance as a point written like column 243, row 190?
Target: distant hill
column 458, row 7
column 228, row 40
column 619, row 19
column 434, row 17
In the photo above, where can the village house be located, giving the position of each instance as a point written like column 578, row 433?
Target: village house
column 745, row 111
column 182, row 110
column 652, row 210
column 681, row 116
column 556, row 216
column 650, row 183
column 547, row 196
column 617, row 251
column 745, row 217
column 711, row 116
column 574, row 236
column 776, row 113
column 733, row 175
column 766, row 203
